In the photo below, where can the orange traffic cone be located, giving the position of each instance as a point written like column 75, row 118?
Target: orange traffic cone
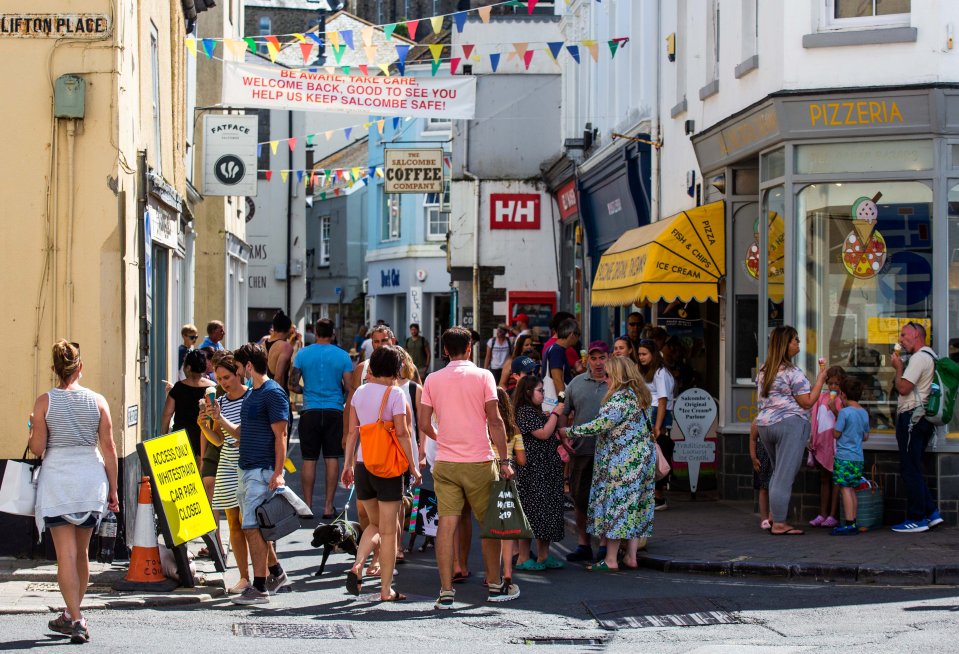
column 145, row 573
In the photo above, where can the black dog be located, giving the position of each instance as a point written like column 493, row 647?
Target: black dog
column 341, row 535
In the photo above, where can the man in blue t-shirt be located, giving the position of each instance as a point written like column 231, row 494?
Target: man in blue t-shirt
column 323, row 372
column 555, row 358
column 262, row 437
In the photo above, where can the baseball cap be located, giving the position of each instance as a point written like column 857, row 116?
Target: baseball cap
column 526, row 365
column 521, row 317
column 598, row 346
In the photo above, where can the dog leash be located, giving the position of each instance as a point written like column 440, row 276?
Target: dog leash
column 344, row 517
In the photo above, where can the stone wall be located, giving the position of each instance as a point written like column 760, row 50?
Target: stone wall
column 736, row 481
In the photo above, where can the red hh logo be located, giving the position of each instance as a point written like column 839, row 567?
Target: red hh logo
column 514, row 211
column 568, row 206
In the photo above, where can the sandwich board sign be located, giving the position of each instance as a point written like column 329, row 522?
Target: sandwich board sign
column 694, row 412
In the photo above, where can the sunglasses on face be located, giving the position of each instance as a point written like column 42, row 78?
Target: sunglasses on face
column 632, row 324
column 192, row 338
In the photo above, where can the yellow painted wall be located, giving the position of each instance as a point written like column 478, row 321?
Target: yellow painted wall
column 69, row 261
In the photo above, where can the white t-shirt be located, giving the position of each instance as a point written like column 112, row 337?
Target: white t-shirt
column 366, row 401
column 662, row 386
column 919, row 371
column 367, row 348
column 500, row 352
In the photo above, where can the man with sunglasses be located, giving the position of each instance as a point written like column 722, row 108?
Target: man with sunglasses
column 634, row 327
column 913, row 431
column 189, row 334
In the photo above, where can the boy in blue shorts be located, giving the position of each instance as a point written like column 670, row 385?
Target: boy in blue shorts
column 852, row 428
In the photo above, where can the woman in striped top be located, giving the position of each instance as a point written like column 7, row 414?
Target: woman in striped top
column 230, row 377
column 77, row 483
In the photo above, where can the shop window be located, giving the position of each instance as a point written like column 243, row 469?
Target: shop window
column 437, row 217
column 865, row 253
column 324, row 256
column 438, row 125
column 953, row 325
column 772, row 165
column 864, row 156
column 841, row 14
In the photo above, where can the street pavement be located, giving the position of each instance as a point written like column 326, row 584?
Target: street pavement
column 729, row 609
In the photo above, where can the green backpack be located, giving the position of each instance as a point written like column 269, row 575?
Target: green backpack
column 941, row 403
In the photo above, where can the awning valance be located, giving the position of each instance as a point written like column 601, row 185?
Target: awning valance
column 679, row 258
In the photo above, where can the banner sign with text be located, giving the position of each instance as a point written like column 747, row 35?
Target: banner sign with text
column 171, row 465
column 247, row 85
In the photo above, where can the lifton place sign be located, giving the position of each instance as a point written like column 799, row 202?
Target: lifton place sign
column 55, row 26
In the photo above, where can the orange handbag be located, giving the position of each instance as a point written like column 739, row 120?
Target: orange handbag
column 382, row 454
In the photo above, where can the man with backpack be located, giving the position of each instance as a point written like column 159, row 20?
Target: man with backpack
column 914, row 430
column 418, row 347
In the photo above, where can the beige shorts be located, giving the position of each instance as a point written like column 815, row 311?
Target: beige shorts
column 457, row 484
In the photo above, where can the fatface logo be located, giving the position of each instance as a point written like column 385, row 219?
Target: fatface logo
column 514, row 211
column 229, row 169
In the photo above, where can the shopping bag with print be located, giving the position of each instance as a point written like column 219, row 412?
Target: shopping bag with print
column 505, row 519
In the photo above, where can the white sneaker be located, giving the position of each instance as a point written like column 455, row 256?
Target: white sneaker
column 251, row 596
column 502, row 592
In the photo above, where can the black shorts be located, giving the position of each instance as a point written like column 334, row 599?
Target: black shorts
column 59, row 521
column 210, row 461
column 580, row 480
column 371, row 487
column 321, row 434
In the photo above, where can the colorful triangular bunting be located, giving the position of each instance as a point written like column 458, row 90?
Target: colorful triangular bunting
column 494, row 60
column 411, row 26
column 348, row 38
column 460, row 19
column 573, row 51
column 436, row 50
column 436, row 22
column 209, row 46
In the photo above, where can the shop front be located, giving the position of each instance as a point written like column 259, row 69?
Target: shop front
column 407, row 291
column 613, row 198
column 839, row 208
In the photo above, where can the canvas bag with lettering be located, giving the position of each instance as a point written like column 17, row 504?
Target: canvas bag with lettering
column 382, row 454
column 505, row 518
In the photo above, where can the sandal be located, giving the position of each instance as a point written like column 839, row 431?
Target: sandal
column 766, row 524
column 553, row 564
column 601, row 567
column 394, row 597
column 530, row 565
column 373, row 570
column 353, row 583
column 792, row 531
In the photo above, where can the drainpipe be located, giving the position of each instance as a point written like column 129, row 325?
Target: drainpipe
column 68, row 300
column 146, row 428
column 289, row 221
column 655, row 173
column 476, row 235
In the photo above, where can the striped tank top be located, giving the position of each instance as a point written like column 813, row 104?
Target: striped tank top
column 73, row 418
column 227, row 477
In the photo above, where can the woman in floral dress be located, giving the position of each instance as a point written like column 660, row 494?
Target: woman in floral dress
column 621, row 500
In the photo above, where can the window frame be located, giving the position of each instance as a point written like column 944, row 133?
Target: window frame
column 323, row 254
column 831, row 23
column 391, row 220
column 155, row 71
column 432, row 205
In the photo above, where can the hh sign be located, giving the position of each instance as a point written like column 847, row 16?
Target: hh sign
column 514, row 211
column 229, row 155
column 247, row 85
column 413, row 171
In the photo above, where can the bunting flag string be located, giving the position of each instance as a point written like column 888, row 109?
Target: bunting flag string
column 524, row 51
column 347, row 131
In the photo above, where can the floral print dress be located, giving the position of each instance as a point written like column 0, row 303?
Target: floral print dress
column 621, row 500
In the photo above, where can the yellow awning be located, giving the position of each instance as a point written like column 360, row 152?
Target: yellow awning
column 682, row 257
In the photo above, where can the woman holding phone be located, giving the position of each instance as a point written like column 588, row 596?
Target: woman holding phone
column 183, row 401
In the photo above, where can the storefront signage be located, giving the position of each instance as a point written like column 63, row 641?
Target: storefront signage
column 56, row 26
column 694, row 412
column 566, row 197
column 416, row 305
column 268, row 87
column 390, row 278
column 171, row 464
column 514, row 211
column 164, row 226
column 859, row 112
column 885, row 331
column 413, row 171
column 229, row 155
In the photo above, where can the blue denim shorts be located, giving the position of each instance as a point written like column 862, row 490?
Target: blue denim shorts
column 253, row 489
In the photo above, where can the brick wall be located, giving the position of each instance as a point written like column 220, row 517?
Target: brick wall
column 736, row 481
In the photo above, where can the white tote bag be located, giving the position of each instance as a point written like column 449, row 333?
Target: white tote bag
column 550, row 397
column 18, row 492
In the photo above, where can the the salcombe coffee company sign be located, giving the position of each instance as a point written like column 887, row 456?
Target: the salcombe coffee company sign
column 413, row 171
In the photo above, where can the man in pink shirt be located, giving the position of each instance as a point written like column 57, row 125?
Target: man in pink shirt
column 463, row 399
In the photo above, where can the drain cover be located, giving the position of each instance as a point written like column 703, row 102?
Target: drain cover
column 663, row 612
column 280, row 630
column 596, row 644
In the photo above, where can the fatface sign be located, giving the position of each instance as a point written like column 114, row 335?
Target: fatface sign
column 413, row 171
column 694, row 412
column 514, row 211
column 55, row 26
column 229, row 155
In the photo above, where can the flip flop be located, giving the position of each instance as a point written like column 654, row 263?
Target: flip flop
column 461, row 577
column 400, row 560
column 765, row 524
column 788, row 532
column 601, row 567
column 394, row 597
column 353, row 583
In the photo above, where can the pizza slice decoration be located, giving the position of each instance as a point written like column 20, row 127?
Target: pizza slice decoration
column 864, row 250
